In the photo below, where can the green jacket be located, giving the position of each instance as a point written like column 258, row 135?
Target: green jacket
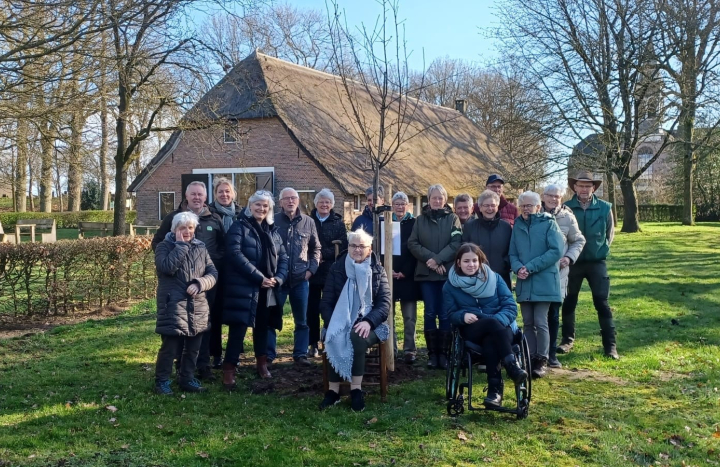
column 436, row 234
column 538, row 245
column 597, row 226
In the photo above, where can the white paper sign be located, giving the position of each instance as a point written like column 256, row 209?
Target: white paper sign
column 395, row 237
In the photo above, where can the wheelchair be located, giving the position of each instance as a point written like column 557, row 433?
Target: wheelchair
column 463, row 355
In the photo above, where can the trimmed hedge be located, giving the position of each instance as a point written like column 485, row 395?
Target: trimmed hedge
column 656, row 212
column 48, row 279
column 64, row 220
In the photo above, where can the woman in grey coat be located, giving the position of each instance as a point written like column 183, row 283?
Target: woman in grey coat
column 185, row 273
column 574, row 241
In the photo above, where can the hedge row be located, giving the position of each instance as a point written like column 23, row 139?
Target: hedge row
column 656, row 212
column 64, row 220
column 57, row 278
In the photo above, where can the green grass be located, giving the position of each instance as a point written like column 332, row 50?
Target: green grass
column 659, row 404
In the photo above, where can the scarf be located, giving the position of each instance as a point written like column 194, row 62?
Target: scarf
column 355, row 301
column 228, row 214
column 474, row 285
column 408, row 215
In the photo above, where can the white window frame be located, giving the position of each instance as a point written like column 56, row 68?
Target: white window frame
column 232, row 171
column 235, row 139
column 643, row 158
column 358, row 202
column 160, row 193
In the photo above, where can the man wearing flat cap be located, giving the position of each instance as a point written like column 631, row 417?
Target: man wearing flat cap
column 595, row 219
column 506, row 209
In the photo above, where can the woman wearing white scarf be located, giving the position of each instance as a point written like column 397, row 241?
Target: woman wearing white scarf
column 480, row 303
column 355, row 305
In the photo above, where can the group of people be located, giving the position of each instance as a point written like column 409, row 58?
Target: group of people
column 225, row 264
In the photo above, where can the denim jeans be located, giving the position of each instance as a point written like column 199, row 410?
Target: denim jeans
column 433, row 299
column 535, row 327
column 298, row 295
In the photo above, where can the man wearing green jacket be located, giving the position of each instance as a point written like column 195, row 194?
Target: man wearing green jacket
column 595, row 220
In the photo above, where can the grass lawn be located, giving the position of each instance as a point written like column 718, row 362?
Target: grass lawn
column 81, row 395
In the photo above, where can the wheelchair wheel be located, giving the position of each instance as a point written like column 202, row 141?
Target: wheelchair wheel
column 452, row 378
column 456, row 407
column 523, row 409
column 527, row 366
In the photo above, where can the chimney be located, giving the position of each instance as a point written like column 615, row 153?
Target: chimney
column 461, row 105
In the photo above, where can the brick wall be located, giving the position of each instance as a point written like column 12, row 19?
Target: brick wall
column 266, row 143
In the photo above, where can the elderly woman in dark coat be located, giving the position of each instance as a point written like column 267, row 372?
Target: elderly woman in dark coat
column 185, row 273
column 492, row 234
column 330, row 228
column 256, row 265
column 355, row 305
column 404, row 286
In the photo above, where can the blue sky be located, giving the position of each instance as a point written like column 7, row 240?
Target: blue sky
column 437, row 28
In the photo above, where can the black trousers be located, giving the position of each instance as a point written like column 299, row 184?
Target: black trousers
column 313, row 313
column 236, row 333
column 599, row 282
column 495, row 339
column 171, row 345
column 215, row 331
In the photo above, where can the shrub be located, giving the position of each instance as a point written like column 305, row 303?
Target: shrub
column 64, row 220
column 656, row 212
column 57, row 278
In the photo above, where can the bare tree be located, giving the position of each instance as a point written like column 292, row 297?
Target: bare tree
column 594, row 62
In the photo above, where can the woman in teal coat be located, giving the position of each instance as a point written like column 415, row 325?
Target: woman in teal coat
column 536, row 246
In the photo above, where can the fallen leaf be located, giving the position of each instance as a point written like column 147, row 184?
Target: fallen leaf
column 482, row 445
column 282, row 412
column 160, row 427
column 225, row 438
column 461, row 436
column 113, row 420
column 125, row 446
column 68, row 404
column 266, row 446
column 182, row 396
column 204, row 455
column 372, row 445
column 371, row 421
column 716, row 433
column 111, row 408
column 31, row 456
column 487, row 459
column 664, row 456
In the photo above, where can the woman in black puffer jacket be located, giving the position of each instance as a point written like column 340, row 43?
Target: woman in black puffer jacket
column 185, row 273
column 255, row 267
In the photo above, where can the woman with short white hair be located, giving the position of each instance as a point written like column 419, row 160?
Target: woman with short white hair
column 185, row 273
column 332, row 233
column 256, row 268
column 536, row 246
column 573, row 243
column 355, row 305
column 434, row 240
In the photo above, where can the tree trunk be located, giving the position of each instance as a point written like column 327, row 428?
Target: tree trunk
column 631, row 220
column 75, row 169
column 120, row 198
column 30, row 187
column 610, row 180
column 46, row 165
column 104, row 176
column 21, row 165
column 687, row 125
column 121, row 159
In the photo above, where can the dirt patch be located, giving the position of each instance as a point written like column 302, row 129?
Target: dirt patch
column 582, row 374
column 11, row 327
column 667, row 376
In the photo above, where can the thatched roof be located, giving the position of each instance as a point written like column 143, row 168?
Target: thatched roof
column 447, row 147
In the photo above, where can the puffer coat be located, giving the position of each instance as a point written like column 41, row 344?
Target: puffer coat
column 333, row 228
column 242, row 276
column 537, row 244
column 178, row 265
column 209, row 231
column 382, row 300
column 500, row 306
column 493, row 238
column 436, row 234
column 301, row 245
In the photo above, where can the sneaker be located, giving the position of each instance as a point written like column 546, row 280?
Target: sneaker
column 553, row 362
column 564, row 347
column 331, row 398
column 302, row 361
column 313, row 352
column 163, row 388
column 357, row 400
column 192, row 386
column 206, row 374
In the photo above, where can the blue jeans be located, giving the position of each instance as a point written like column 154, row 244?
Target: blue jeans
column 433, row 298
column 298, row 294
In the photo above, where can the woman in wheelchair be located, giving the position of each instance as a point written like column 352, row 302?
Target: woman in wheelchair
column 481, row 305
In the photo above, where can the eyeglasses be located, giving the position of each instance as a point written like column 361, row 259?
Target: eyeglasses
column 290, row 198
column 528, row 206
column 488, row 206
column 399, row 204
column 358, row 247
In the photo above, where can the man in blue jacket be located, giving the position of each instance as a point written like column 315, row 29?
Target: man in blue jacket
column 365, row 220
column 596, row 223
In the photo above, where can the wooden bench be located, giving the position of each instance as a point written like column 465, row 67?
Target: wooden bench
column 30, row 226
column 146, row 229
column 375, row 371
column 102, row 229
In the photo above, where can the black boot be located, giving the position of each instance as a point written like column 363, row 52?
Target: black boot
column 514, row 372
column 495, row 392
column 607, row 330
column 431, row 338
column 553, row 361
column 539, row 366
column 444, row 349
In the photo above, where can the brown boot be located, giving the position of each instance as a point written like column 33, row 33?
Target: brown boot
column 228, row 370
column 262, row 368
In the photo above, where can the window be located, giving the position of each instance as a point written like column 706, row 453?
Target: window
column 360, row 201
column 246, row 180
column 644, row 157
column 166, row 203
column 232, row 133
